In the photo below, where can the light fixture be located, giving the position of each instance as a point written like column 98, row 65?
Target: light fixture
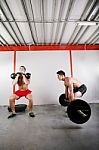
column 87, row 23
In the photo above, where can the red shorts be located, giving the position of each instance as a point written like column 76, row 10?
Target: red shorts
column 22, row 93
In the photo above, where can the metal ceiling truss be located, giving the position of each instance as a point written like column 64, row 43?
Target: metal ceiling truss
column 2, row 43
column 79, row 39
column 9, row 33
column 4, row 40
column 81, row 28
column 10, row 25
column 97, row 17
column 90, row 13
column 87, row 18
column 94, row 11
column 42, row 19
column 71, row 3
column 85, row 15
column 53, row 15
column 23, row 2
column 15, row 21
column 59, row 18
column 93, row 34
column 33, row 20
column 94, row 39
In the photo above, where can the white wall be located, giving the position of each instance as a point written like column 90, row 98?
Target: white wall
column 6, row 68
column 43, row 66
column 86, row 69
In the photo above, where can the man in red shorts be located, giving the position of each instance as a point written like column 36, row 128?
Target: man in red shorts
column 23, row 90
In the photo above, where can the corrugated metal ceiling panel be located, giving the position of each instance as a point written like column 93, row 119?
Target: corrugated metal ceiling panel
column 40, row 22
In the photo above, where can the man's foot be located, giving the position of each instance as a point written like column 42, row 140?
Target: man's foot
column 12, row 115
column 65, row 111
column 31, row 114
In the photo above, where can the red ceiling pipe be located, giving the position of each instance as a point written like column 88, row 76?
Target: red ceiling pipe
column 49, row 47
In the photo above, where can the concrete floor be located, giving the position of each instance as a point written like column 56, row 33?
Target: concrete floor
column 51, row 129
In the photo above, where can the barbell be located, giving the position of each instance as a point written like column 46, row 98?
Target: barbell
column 78, row 110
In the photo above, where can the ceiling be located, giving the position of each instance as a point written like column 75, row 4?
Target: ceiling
column 48, row 22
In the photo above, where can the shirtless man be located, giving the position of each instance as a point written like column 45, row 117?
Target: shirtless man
column 73, row 88
column 23, row 90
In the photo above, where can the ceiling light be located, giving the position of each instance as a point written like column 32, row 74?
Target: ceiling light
column 87, row 23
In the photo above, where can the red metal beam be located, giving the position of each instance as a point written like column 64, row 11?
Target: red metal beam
column 14, row 67
column 71, row 64
column 49, row 47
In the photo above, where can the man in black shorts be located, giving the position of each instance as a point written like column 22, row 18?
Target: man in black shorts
column 73, row 88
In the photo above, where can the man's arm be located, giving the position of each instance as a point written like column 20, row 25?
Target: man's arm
column 15, row 80
column 71, row 93
column 26, row 81
column 66, row 92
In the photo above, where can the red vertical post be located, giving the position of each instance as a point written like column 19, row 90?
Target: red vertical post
column 71, row 65
column 14, row 67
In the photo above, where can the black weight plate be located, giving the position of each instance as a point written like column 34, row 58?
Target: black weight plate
column 63, row 101
column 73, row 113
column 19, row 108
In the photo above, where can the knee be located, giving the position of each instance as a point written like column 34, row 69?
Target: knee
column 30, row 99
column 12, row 98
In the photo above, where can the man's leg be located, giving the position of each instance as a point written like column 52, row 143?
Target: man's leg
column 12, row 104
column 81, row 90
column 30, row 98
column 77, row 95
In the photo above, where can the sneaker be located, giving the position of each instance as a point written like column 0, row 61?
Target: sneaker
column 31, row 114
column 12, row 115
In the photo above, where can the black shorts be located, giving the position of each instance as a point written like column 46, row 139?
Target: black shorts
column 81, row 89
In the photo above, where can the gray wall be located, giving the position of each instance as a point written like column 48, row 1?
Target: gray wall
column 6, row 67
column 43, row 66
column 86, row 69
